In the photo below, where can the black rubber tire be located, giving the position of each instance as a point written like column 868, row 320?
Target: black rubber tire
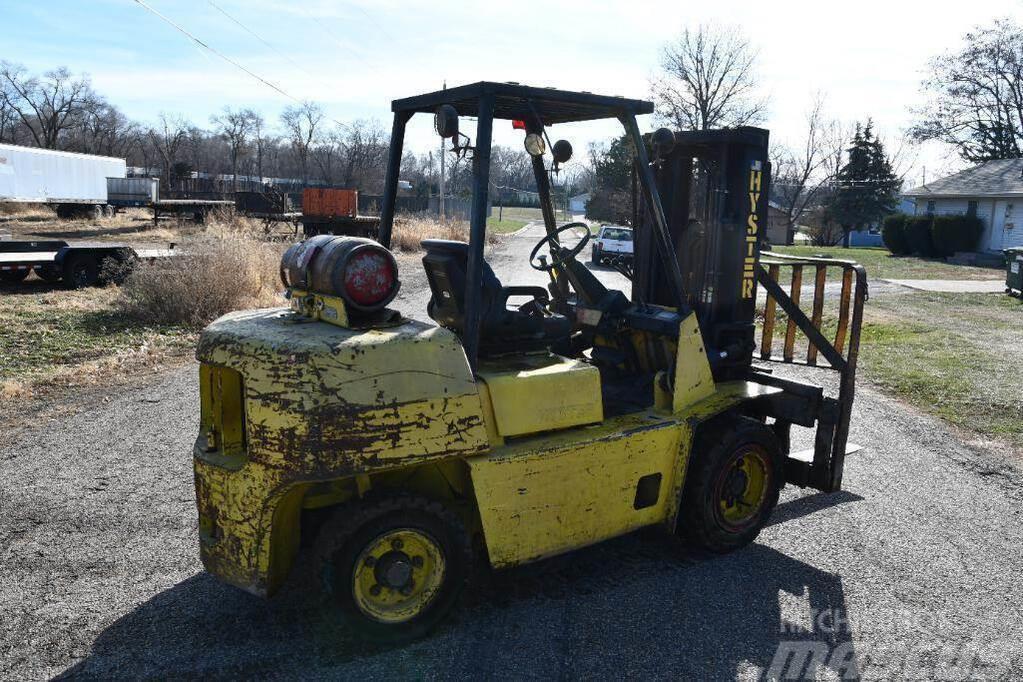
column 715, row 445
column 80, row 270
column 353, row 526
column 595, row 257
column 13, row 276
column 49, row 273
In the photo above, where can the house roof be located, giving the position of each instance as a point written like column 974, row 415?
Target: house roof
column 991, row 178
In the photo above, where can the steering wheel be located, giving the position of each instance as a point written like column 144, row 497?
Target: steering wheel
column 565, row 254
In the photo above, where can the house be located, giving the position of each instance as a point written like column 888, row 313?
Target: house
column 777, row 223
column 992, row 191
column 577, row 204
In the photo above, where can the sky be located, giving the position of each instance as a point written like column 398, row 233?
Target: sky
column 354, row 56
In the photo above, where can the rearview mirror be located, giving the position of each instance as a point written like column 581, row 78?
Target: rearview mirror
column 445, row 121
column 562, row 151
column 663, row 141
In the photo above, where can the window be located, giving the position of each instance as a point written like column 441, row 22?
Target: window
column 617, row 235
column 971, row 209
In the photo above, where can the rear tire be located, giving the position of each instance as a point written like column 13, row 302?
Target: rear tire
column 80, row 270
column 735, row 473
column 383, row 593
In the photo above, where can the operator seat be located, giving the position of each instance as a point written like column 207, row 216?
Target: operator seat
column 530, row 327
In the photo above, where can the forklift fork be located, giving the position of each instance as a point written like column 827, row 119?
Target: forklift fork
column 820, row 467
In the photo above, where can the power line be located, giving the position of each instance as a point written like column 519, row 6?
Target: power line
column 218, row 53
column 260, row 38
column 230, row 61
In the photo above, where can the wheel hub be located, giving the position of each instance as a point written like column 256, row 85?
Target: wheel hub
column 393, row 570
column 398, row 574
column 743, row 489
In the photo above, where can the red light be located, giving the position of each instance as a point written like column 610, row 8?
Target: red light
column 370, row 277
column 518, row 125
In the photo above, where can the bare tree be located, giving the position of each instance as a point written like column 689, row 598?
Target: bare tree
column 261, row 139
column 167, row 138
column 708, row 80
column 8, row 116
column 363, row 147
column 327, row 154
column 235, row 127
column 301, row 123
column 976, row 101
column 46, row 106
column 799, row 173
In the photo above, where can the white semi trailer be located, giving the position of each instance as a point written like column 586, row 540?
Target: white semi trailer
column 75, row 184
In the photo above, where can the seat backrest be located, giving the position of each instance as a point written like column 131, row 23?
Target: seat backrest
column 446, row 263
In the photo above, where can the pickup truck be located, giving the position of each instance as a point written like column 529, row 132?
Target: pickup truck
column 613, row 242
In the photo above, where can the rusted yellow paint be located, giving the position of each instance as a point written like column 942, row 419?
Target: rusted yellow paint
column 321, row 414
column 541, row 392
column 321, row 403
column 316, row 306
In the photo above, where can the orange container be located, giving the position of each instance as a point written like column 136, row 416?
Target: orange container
column 330, row 203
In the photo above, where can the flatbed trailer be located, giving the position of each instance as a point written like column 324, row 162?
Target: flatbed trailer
column 76, row 265
column 353, row 226
column 199, row 209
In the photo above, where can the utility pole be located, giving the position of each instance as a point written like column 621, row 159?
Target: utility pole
column 443, row 213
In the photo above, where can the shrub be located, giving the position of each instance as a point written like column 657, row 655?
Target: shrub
column 918, row 235
column 893, row 233
column 952, row 233
column 213, row 275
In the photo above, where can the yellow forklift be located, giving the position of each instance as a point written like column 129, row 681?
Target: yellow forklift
column 505, row 432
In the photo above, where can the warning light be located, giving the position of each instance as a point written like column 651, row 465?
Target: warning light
column 518, row 125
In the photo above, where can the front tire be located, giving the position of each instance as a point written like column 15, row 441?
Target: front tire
column 394, row 566
column 735, row 475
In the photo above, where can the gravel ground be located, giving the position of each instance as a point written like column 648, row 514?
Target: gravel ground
column 916, row 563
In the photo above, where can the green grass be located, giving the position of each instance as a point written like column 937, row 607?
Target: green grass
column 882, row 265
column 504, row 226
column 956, row 356
column 54, row 333
column 527, row 214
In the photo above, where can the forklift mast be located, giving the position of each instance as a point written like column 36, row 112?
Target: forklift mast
column 714, row 189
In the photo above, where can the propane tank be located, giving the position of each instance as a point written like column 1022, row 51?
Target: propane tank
column 359, row 271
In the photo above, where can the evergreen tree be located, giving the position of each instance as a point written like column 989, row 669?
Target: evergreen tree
column 611, row 199
column 866, row 186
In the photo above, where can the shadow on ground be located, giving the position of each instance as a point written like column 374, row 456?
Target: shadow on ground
column 637, row 605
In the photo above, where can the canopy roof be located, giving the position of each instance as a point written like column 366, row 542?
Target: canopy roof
column 521, row 102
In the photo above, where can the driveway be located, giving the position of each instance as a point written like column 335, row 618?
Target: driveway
column 912, row 571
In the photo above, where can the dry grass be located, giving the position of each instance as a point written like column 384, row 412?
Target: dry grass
column 9, row 211
column 411, row 230
column 227, row 268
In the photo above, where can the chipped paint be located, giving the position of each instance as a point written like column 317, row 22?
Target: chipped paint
column 321, row 403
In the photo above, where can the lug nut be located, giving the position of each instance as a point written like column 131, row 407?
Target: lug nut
column 371, row 561
column 375, row 590
column 396, row 544
column 417, row 561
